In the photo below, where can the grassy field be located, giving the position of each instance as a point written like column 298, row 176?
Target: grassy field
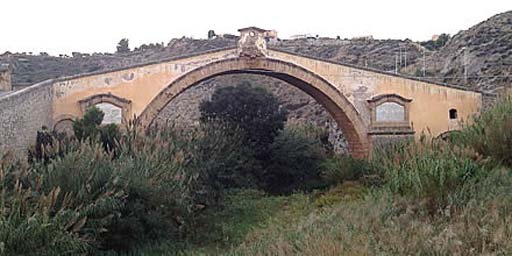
column 352, row 220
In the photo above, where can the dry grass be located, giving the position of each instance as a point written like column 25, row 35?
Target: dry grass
column 386, row 224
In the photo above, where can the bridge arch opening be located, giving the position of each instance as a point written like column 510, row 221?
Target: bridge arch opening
column 342, row 111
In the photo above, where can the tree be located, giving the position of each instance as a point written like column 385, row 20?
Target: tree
column 253, row 110
column 123, row 46
column 295, row 161
column 211, row 34
column 442, row 40
column 89, row 127
column 438, row 43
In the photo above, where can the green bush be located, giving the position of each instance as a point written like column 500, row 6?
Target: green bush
column 296, row 154
column 429, row 171
column 170, row 177
column 90, row 185
column 340, row 168
column 89, row 128
column 35, row 221
column 490, row 134
column 49, row 145
column 252, row 109
column 223, row 159
column 88, row 201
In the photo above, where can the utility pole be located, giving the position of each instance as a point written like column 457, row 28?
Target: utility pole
column 400, row 51
column 424, row 63
column 465, row 59
column 405, row 56
column 396, row 63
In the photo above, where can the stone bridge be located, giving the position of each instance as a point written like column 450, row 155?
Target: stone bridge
column 371, row 107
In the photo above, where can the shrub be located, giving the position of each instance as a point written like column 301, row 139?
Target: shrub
column 223, row 159
column 36, row 219
column 491, row 133
column 89, row 128
column 340, row 168
column 89, row 185
column 49, row 145
column 251, row 109
column 295, row 160
column 123, row 46
column 171, row 176
column 429, row 171
column 88, row 201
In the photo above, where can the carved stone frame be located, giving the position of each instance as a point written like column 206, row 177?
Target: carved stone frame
column 390, row 127
column 124, row 104
column 252, row 43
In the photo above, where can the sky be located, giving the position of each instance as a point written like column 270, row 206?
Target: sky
column 64, row 26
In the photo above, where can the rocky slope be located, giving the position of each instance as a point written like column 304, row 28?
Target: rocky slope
column 486, row 48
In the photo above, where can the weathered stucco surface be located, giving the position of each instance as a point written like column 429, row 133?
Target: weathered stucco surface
column 140, row 84
column 430, row 102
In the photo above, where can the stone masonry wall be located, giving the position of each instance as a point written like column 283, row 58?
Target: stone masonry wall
column 5, row 79
column 22, row 114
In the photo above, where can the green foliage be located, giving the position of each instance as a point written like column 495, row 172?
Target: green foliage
column 34, row 221
column 159, row 190
column 296, row 154
column 346, row 191
column 223, row 159
column 89, row 128
column 438, row 43
column 430, row 171
column 268, row 158
column 341, row 168
column 380, row 222
column 49, row 145
column 490, row 134
column 90, row 187
column 235, row 221
column 251, row 109
column 154, row 189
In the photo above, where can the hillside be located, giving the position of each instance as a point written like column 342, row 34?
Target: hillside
column 379, row 54
column 29, row 69
column 488, row 47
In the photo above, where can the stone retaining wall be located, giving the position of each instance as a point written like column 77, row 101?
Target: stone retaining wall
column 22, row 114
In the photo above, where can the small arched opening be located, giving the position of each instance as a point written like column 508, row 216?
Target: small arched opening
column 452, row 113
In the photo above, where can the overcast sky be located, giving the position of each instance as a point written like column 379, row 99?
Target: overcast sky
column 63, row 26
